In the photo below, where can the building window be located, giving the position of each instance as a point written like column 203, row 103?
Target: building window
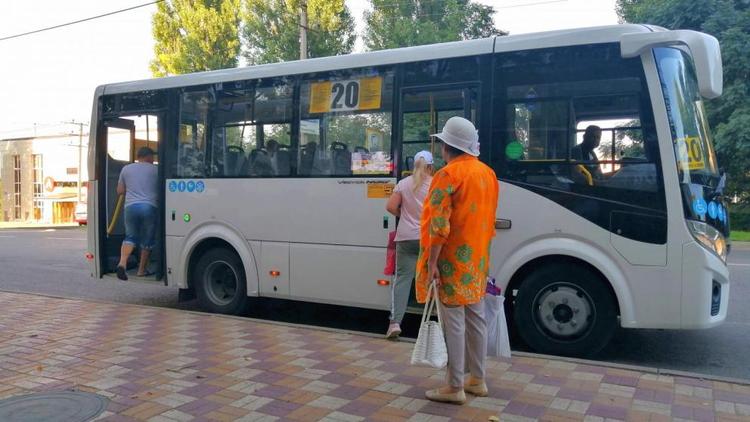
column 17, row 187
column 38, row 187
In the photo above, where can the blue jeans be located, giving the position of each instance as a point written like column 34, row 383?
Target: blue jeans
column 140, row 224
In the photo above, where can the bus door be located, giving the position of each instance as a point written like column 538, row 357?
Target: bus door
column 424, row 111
column 123, row 136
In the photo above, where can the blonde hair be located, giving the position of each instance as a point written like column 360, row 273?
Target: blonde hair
column 422, row 170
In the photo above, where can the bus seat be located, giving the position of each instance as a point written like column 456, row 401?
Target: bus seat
column 342, row 158
column 283, row 158
column 260, row 163
column 235, row 160
column 307, row 159
column 409, row 162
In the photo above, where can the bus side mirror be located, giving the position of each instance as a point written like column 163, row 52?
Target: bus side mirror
column 703, row 47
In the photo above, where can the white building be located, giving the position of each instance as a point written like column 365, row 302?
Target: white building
column 43, row 173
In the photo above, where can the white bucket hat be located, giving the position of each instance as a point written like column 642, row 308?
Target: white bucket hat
column 425, row 155
column 460, row 134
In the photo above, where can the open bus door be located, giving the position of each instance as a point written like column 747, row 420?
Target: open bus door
column 122, row 137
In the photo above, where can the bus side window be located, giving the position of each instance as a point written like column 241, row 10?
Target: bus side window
column 252, row 129
column 191, row 148
column 345, row 126
column 550, row 97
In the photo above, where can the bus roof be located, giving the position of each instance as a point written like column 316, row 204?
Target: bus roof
column 601, row 34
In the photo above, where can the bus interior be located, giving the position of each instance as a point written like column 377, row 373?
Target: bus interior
column 123, row 137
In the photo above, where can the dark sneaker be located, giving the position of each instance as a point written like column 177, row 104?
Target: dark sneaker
column 121, row 274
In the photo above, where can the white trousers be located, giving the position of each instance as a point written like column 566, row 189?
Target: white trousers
column 466, row 338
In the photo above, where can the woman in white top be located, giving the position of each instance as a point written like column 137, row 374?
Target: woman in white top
column 406, row 203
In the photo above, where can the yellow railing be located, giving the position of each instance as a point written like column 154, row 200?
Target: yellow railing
column 586, row 174
column 116, row 215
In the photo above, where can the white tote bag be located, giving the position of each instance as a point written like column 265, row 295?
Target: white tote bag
column 498, row 343
column 430, row 349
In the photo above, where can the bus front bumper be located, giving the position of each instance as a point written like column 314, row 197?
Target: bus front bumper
column 705, row 288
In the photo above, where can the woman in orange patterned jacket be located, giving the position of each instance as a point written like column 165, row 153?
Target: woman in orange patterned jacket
column 457, row 227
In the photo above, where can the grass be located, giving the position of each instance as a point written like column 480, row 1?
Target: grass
column 740, row 236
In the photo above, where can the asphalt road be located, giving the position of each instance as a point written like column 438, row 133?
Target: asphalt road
column 719, row 351
column 52, row 262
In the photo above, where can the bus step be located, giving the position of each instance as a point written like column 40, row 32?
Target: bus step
column 152, row 279
column 415, row 309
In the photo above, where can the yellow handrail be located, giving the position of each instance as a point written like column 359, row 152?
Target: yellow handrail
column 586, row 174
column 116, row 215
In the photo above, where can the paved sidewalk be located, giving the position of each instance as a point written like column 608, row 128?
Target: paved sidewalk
column 169, row 365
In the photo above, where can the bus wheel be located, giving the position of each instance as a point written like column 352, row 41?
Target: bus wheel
column 565, row 310
column 220, row 282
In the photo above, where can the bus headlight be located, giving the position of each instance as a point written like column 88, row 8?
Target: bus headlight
column 709, row 237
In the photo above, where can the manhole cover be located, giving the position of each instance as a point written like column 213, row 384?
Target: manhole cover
column 66, row 406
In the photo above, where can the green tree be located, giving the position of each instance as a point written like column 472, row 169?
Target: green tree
column 392, row 24
column 272, row 28
column 729, row 115
column 195, row 35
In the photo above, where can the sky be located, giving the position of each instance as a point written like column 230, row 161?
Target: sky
column 49, row 77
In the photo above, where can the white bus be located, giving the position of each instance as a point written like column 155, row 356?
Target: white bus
column 275, row 177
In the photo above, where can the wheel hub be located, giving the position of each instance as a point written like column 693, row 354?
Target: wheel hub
column 564, row 311
column 222, row 282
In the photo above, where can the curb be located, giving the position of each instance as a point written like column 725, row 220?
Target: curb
column 31, row 228
column 613, row 365
column 638, row 368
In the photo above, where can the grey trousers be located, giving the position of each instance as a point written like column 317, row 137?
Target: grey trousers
column 466, row 337
column 407, row 252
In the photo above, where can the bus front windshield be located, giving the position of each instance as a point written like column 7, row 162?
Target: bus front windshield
column 696, row 159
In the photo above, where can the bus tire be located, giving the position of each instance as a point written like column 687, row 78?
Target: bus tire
column 220, row 284
column 565, row 310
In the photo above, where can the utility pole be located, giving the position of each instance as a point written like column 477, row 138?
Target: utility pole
column 303, row 31
column 80, row 153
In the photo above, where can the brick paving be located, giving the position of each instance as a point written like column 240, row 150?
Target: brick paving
column 166, row 365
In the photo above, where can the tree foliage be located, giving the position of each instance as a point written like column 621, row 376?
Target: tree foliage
column 392, row 24
column 195, row 35
column 729, row 115
column 629, row 142
column 272, row 27
column 325, row 12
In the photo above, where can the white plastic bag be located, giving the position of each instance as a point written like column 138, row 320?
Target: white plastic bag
column 498, row 342
column 430, row 349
